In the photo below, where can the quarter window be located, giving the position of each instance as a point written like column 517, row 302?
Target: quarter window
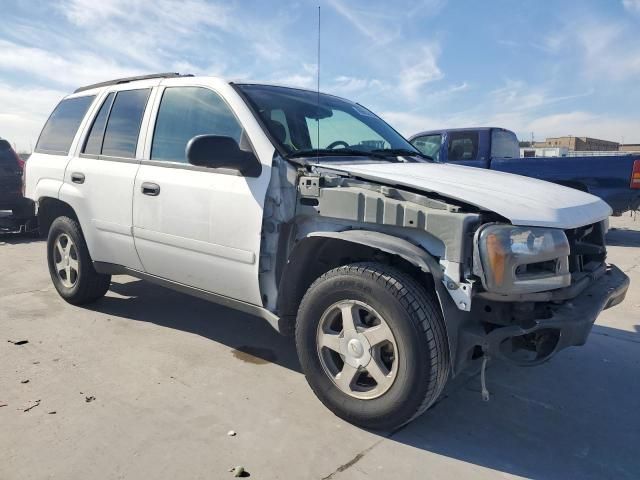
column 504, row 144
column 186, row 112
column 123, row 125
column 59, row 131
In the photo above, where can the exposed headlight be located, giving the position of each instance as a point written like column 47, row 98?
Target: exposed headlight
column 513, row 259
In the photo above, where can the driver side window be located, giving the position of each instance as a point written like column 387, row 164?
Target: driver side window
column 186, row 112
column 429, row 145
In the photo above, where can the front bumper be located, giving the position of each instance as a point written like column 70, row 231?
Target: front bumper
column 566, row 324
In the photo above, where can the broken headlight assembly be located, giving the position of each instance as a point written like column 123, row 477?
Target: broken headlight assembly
column 516, row 260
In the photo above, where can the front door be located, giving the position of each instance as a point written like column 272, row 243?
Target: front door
column 195, row 225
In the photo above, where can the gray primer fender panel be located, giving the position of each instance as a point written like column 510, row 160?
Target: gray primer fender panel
column 361, row 205
column 454, row 318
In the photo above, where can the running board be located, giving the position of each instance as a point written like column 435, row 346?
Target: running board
column 113, row 269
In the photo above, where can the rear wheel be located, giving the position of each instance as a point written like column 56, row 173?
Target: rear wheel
column 70, row 264
column 372, row 344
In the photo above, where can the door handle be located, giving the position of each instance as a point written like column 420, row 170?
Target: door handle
column 151, row 189
column 77, row 177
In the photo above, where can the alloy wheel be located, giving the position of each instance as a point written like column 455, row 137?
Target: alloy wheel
column 357, row 349
column 65, row 259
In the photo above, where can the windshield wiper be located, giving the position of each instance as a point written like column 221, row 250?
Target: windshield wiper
column 402, row 152
column 338, row 152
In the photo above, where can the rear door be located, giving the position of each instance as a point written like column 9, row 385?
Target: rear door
column 193, row 225
column 99, row 178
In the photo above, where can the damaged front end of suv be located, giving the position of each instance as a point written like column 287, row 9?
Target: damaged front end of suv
column 506, row 291
column 542, row 289
column 493, row 265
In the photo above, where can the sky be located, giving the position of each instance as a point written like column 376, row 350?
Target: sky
column 541, row 67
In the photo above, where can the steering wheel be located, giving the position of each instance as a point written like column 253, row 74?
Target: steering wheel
column 333, row 145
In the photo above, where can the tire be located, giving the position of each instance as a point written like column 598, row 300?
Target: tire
column 414, row 374
column 83, row 286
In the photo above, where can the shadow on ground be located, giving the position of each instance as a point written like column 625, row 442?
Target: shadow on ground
column 577, row 416
column 252, row 339
column 18, row 238
column 624, row 237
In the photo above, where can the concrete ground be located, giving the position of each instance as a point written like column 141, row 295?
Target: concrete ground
column 147, row 382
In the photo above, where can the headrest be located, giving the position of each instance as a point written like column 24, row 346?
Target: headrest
column 277, row 130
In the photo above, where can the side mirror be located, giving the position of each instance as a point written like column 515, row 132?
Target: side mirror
column 214, row 151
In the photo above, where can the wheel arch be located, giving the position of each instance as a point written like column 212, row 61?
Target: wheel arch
column 319, row 252
column 390, row 244
column 49, row 209
column 309, row 260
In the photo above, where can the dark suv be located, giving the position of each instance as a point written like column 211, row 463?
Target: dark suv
column 11, row 169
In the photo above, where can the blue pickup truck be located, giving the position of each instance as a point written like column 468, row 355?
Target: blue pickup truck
column 615, row 179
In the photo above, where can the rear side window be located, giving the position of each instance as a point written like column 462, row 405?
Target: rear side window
column 93, row 144
column 123, row 124
column 504, row 144
column 429, row 145
column 186, row 112
column 58, row 132
column 463, row 146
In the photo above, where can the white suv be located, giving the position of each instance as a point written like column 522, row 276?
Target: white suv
column 394, row 272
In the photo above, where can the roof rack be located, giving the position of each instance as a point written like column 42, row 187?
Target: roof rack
column 118, row 81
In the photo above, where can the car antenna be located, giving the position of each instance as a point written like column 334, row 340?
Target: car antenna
column 318, row 94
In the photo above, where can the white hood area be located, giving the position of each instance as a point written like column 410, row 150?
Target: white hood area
column 523, row 200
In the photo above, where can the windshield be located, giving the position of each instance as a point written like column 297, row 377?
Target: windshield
column 303, row 124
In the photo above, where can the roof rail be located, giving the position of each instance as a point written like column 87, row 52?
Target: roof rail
column 118, row 81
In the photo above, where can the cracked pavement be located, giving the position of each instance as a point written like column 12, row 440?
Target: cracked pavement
column 170, row 375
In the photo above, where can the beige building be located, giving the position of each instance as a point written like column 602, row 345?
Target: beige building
column 630, row 147
column 578, row 143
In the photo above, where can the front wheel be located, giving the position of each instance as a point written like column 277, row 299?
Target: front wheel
column 372, row 344
column 70, row 264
